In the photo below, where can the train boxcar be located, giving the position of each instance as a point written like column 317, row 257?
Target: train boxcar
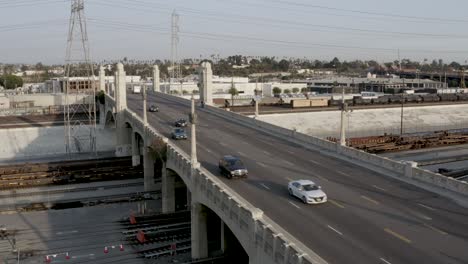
column 318, row 102
column 396, row 99
column 448, row 97
column 413, row 98
column 430, row 98
column 300, row 103
column 462, row 97
column 358, row 100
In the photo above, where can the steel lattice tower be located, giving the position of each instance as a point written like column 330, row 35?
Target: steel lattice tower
column 79, row 115
column 175, row 67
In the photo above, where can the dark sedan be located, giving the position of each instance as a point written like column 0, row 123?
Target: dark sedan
column 153, row 108
column 232, row 167
column 178, row 133
column 180, row 123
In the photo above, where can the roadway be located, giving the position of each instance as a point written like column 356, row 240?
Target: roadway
column 369, row 218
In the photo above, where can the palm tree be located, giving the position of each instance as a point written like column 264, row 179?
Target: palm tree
column 233, row 91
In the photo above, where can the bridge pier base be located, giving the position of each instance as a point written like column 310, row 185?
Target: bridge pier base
column 135, row 152
column 199, row 231
column 168, row 191
column 148, row 171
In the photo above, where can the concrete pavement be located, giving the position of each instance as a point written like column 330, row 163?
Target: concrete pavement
column 369, row 218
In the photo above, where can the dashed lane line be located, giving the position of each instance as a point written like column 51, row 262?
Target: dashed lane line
column 395, row 234
column 378, row 188
column 336, row 203
column 336, row 231
column 242, row 154
column 427, row 207
column 261, row 164
column 288, row 163
column 385, row 261
column 264, row 186
column 291, row 203
column 435, row 229
column 369, row 199
column 267, row 153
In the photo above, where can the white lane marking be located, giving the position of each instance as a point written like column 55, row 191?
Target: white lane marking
column 369, row 199
column 435, row 229
column 288, row 163
column 289, row 179
column 377, row 187
column 386, row 261
column 82, row 256
column 242, row 154
column 66, row 232
column 290, row 152
column 261, row 164
column 208, row 150
column 338, row 232
column 421, row 215
column 314, row 162
column 266, row 152
column 343, row 173
column 321, row 177
column 427, row 207
column 223, row 144
column 268, row 143
column 264, row 186
column 294, row 205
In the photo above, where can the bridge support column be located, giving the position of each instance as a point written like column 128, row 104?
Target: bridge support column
column 199, row 231
column 168, row 191
column 122, row 145
column 156, row 82
column 102, row 78
column 206, row 83
column 148, row 170
column 135, row 152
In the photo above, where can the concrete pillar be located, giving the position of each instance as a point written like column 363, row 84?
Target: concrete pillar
column 156, row 80
column 409, row 168
column 135, row 151
column 148, row 170
column 120, row 96
column 206, row 83
column 223, row 239
column 199, row 231
column 168, row 191
column 102, row 79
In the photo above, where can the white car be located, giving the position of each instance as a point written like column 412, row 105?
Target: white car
column 307, row 191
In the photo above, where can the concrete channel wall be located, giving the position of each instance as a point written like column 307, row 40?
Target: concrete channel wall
column 405, row 171
column 43, row 141
column 263, row 240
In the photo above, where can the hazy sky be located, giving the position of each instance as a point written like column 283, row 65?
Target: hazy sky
column 36, row 30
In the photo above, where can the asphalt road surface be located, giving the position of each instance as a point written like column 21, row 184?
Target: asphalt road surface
column 369, row 218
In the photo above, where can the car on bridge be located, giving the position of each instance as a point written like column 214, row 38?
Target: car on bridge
column 153, row 108
column 307, row 191
column 232, row 167
column 178, row 133
column 180, row 123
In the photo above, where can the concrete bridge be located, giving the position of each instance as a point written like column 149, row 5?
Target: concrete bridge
column 375, row 213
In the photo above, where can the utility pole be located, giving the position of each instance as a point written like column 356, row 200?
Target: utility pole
column 193, row 119
column 344, row 109
column 401, row 117
column 175, row 71
column 80, row 136
column 145, row 117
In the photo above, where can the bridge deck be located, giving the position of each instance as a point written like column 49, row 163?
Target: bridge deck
column 369, row 218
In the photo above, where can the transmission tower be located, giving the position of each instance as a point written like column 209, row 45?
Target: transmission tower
column 175, row 66
column 79, row 86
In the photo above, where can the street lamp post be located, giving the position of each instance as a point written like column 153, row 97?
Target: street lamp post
column 401, row 116
column 193, row 119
